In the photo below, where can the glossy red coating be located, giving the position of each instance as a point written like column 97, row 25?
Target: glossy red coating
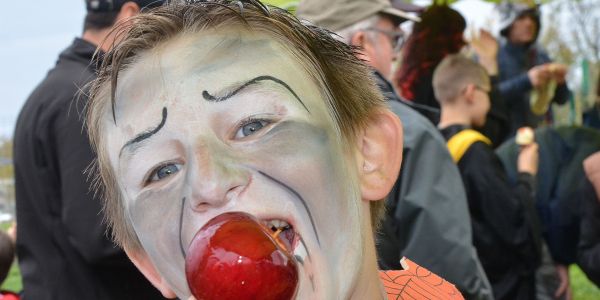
column 234, row 257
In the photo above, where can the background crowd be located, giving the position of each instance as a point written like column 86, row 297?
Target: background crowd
column 499, row 219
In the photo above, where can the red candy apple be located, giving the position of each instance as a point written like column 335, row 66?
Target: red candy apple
column 233, row 256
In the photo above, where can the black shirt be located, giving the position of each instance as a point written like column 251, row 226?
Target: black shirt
column 62, row 245
column 506, row 231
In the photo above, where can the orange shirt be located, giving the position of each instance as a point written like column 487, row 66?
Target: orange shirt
column 416, row 282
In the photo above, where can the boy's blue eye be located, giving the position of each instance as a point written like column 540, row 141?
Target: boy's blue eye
column 250, row 128
column 165, row 171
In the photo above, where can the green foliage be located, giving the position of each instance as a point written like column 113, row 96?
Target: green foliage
column 285, row 4
column 582, row 288
column 13, row 281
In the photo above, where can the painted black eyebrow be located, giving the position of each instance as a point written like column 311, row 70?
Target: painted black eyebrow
column 146, row 134
column 208, row 97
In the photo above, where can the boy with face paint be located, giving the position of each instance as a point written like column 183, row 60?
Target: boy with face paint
column 209, row 108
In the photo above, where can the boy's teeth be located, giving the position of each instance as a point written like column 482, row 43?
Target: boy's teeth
column 277, row 224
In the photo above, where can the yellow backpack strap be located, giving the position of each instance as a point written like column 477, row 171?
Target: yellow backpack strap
column 460, row 142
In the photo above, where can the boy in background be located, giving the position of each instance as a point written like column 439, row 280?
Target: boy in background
column 505, row 227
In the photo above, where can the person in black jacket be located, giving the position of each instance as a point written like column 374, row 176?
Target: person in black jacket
column 506, row 231
column 62, row 245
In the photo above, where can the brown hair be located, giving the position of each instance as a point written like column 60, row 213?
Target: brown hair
column 454, row 73
column 351, row 96
column 7, row 254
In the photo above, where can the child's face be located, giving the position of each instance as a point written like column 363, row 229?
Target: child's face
column 523, row 30
column 481, row 105
column 220, row 122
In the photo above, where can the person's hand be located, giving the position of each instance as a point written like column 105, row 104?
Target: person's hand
column 486, row 47
column 558, row 72
column 528, row 159
column 564, row 288
column 539, row 75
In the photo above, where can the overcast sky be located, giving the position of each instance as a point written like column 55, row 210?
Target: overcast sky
column 32, row 35
column 34, row 32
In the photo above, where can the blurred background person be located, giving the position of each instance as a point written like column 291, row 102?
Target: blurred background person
column 506, row 230
column 529, row 81
column 440, row 33
column 63, row 248
column 588, row 251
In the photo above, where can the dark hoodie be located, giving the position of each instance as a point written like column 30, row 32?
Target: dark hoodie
column 514, row 61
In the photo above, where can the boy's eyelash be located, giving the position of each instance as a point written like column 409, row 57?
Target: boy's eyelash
column 253, row 119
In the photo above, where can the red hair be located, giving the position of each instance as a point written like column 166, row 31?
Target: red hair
column 439, row 33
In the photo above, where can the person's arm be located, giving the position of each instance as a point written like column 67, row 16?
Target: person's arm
column 431, row 218
column 81, row 213
column 513, row 88
column 588, row 252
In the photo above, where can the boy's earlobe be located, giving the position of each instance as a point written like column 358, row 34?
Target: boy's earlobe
column 141, row 260
column 380, row 157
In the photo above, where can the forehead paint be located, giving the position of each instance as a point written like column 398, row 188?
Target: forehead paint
column 211, row 98
column 146, row 134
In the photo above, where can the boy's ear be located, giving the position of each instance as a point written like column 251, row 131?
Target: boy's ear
column 469, row 93
column 141, row 260
column 380, row 155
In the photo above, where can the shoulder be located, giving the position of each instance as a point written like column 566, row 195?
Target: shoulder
column 478, row 151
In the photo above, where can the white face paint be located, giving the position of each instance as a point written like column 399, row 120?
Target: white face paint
column 229, row 121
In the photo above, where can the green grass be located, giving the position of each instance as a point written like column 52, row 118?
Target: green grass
column 13, row 281
column 582, row 288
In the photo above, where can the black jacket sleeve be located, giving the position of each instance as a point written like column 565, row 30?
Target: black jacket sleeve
column 588, row 254
column 81, row 211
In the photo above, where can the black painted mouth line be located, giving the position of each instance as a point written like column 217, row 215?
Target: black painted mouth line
column 291, row 190
column 181, row 228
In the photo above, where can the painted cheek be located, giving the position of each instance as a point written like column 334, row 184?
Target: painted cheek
column 307, row 159
column 156, row 218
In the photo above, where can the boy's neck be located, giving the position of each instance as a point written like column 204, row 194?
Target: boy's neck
column 454, row 115
column 369, row 285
